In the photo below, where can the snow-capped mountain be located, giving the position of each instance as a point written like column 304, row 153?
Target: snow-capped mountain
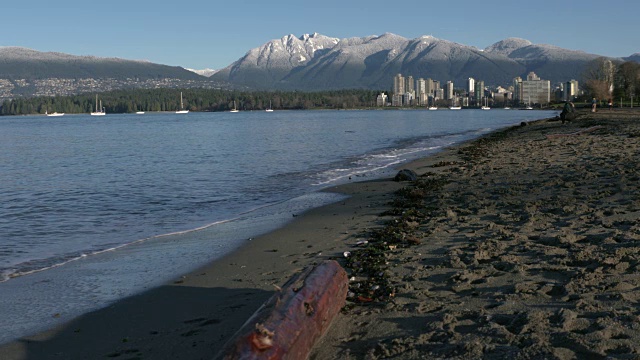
column 635, row 57
column 204, row 72
column 507, row 46
column 274, row 60
column 548, row 61
column 318, row 62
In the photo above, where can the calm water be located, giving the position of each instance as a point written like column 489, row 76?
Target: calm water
column 95, row 209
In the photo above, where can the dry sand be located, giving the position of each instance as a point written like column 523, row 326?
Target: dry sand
column 518, row 245
column 530, row 250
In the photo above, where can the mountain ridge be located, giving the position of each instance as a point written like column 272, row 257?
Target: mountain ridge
column 308, row 62
column 24, row 63
column 372, row 62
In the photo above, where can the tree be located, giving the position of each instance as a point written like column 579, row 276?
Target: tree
column 599, row 78
column 627, row 79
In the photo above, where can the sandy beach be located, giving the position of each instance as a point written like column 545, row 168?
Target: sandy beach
column 523, row 244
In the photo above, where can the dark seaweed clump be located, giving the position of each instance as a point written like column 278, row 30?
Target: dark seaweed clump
column 367, row 265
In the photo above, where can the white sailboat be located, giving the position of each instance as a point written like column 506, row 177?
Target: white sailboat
column 269, row 109
column 529, row 105
column 486, row 106
column 455, row 106
column 182, row 110
column 53, row 113
column 99, row 111
column 433, row 106
column 234, row 110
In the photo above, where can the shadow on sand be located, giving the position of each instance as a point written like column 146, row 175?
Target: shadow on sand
column 169, row 322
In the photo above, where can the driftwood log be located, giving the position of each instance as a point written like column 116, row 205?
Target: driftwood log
column 289, row 324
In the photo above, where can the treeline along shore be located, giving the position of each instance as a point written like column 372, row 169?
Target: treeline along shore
column 156, row 100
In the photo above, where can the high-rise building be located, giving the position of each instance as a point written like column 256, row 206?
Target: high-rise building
column 408, row 98
column 570, row 90
column 534, row 90
column 408, row 87
column 448, row 90
column 517, row 90
column 398, row 90
column 479, row 89
column 428, row 83
column 471, row 83
column 421, row 92
column 532, row 76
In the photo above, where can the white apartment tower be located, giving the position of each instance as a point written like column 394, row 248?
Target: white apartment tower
column 398, row 90
column 398, row 84
column 471, row 83
column 408, row 87
column 448, row 90
column 429, row 86
column 421, row 91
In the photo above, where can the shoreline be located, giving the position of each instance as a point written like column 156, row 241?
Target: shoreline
column 194, row 315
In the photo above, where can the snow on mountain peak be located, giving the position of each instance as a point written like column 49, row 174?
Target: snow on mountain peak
column 204, row 72
column 290, row 50
column 507, row 46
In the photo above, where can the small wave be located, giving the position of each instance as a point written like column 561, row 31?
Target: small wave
column 374, row 163
column 36, row 266
column 354, row 173
column 384, row 156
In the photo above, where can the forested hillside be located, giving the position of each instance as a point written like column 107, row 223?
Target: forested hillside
column 129, row 101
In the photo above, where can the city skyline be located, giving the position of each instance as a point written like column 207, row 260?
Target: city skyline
column 197, row 34
column 410, row 91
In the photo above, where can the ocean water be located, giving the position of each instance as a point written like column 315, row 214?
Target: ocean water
column 97, row 209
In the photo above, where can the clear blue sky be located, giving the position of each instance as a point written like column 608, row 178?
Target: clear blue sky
column 212, row 34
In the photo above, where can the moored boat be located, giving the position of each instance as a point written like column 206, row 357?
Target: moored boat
column 99, row 111
column 234, row 110
column 182, row 110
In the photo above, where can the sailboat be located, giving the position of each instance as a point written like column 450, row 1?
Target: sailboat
column 234, row 107
column 269, row 109
column 433, row 106
column 99, row 111
column 455, row 106
column 182, row 110
column 486, row 106
column 529, row 104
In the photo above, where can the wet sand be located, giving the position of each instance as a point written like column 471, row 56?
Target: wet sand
column 518, row 245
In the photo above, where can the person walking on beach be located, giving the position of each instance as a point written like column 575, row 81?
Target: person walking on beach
column 593, row 105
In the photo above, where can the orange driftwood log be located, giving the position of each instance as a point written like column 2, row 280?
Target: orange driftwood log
column 292, row 320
